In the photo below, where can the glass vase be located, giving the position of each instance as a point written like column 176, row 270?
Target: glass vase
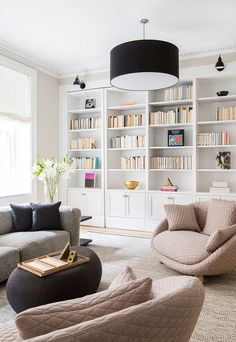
column 50, row 196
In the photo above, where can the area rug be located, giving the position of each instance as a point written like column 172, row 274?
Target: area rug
column 217, row 320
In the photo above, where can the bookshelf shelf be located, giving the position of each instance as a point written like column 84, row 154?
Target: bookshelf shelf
column 85, row 111
column 87, row 170
column 127, row 149
column 127, row 170
column 128, row 107
column 170, row 147
column 126, row 128
column 85, row 150
column 217, row 146
column 214, row 122
column 216, row 99
column 171, row 170
column 172, row 125
column 216, row 170
column 84, row 130
column 171, row 103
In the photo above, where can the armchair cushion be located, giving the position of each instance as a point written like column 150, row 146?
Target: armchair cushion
column 47, row 318
column 219, row 237
column 181, row 217
column 125, row 276
column 185, row 247
column 220, row 215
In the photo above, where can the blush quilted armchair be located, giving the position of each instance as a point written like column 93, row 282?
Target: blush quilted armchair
column 211, row 251
column 169, row 312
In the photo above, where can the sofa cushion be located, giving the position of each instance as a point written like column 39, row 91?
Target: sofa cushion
column 201, row 208
column 9, row 257
column 22, row 217
column 33, row 244
column 181, row 217
column 220, row 215
column 6, row 221
column 125, row 276
column 44, row 319
column 219, row 237
column 46, row 216
column 185, row 247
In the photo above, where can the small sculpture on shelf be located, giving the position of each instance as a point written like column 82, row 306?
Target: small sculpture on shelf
column 223, row 160
column 169, row 187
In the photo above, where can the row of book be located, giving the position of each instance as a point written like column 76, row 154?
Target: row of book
column 85, row 123
column 82, row 143
column 179, row 115
column 87, row 163
column 183, row 163
column 226, row 113
column 133, row 163
column 213, row 138
column 127, row 120
column 128, row 141
column 178, row 93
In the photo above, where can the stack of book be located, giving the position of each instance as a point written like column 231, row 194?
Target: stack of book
column 178, row 93
column 87, row 163
column 226, row 113
column 85, row 123
column 176, row 163
column 127, row 120
column 128, row 141
column 169, row 187
column 219, row 188
column 83, row 143
column 213, row 138
column 133, row 163
column 179, row 115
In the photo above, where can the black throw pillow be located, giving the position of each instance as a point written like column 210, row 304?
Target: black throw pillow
column 22, row 217
column 46, row 216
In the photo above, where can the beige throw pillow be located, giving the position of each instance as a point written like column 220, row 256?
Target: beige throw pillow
column 181, row 217
column 47, row 318
column 220, row 215
column 219, row 237
column 125, row 276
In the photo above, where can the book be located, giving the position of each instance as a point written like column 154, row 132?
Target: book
column 219, row 184
column 215, row 190
column 89, row 180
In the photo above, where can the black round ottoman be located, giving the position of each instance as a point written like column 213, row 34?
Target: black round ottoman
column 26, row 290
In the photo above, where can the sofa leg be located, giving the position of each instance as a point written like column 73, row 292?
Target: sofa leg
column 200, row 277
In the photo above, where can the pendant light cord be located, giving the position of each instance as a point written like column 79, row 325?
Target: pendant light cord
column 144, row 22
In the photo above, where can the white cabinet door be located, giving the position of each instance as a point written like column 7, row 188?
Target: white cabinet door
column 76, row 199
column 228, row 198
column 116, row 203
column 206, row 197
column 156, row 206
column 93, row 203
column 135, row 205
column 180, row 199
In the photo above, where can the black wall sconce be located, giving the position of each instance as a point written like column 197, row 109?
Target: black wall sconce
column 219, row 64
column 78, row 82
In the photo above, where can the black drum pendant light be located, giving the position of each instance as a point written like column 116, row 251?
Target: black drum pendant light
column 144, row 64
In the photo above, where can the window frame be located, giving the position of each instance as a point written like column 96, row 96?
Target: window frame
column 19, row 67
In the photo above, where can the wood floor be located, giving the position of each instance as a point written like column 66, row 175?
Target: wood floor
column 116, row 231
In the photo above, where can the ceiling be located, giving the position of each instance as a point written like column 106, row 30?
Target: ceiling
column 69, row 36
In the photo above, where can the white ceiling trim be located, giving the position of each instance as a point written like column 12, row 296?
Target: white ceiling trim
column 37, row 63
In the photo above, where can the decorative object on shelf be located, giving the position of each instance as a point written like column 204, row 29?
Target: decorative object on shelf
column 219, row 64
column 50, row 172
column 90, row 103
column 78, row 82
column 89, row 180
column 169, row 187
column 131, row 185
column 218, row 187
column 223, row 160
column 176, row 137
column 134, row 66
column 222, row 93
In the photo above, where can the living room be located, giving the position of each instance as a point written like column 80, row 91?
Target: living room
column 117, row 171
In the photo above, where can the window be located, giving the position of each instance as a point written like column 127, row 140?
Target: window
column 15, row 132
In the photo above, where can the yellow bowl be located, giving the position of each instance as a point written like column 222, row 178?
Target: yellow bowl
column 131, row 185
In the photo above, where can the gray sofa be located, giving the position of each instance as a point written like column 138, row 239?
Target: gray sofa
column 19, row 246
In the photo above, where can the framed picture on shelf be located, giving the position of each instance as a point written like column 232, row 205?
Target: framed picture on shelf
column 176, row 137
column 223, row 160
column 90, row 103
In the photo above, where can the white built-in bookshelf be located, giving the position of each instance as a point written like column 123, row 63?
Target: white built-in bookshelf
column 126, row 138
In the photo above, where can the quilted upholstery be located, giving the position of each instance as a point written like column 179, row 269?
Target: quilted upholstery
column 219, row 237
column 9, row 333
column 181, row 217
column 50, row 317
column 170, row 316
column 220, row 215
column 222, row 260
column 125, row 276
column 185, row 247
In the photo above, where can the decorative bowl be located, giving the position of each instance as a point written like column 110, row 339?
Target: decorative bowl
column 222, row 93
column 131, row 185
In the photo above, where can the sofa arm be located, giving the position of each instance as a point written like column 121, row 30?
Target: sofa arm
column 70, row 221
column 163, row 225
column 219, row 237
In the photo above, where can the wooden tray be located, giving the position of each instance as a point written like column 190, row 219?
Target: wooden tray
column 48, row 264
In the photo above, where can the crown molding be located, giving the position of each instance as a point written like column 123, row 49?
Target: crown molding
column 24, row 57
column 207, row 52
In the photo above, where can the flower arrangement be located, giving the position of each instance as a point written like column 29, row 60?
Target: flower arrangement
column 50, row 171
